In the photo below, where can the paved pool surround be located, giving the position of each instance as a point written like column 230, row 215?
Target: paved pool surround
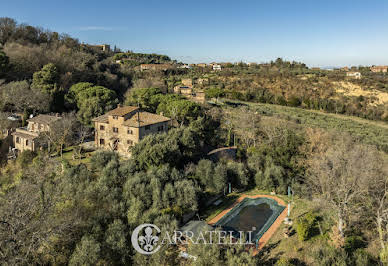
column 275, row 212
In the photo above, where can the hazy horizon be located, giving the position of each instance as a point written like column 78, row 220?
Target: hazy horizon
column 318, row 33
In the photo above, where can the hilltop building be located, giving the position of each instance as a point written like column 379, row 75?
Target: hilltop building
column 217, row 67
column 201, row 65
column 377, row 69
column 187, row 82
column 186, row 66
column 159, row 67
column 27, row 138
column 187, row 90
column 98, row 47
column 354, row 74
column 123, row 127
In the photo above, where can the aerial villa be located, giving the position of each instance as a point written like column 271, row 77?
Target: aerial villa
column 123, row 127
column 27, row 138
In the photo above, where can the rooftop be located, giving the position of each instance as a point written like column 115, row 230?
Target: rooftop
column 24, row 133
column 44, row 119
column 145, row 119
column 121, row 111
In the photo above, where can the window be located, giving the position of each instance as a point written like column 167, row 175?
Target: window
column 102, row 127
column 115, row 117
column 102, row 142
column 160, row 128
column 17, row 140
column 26, row 142
column 147, row 127
column 130, row 131
column 115, row 130
column 129, row 142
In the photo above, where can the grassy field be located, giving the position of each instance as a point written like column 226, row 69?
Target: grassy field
column 367, row 131
column 68, row 155
column 292, row 248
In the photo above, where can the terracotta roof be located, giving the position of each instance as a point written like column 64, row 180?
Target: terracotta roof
column 101, row 119
column 43, row 119
column 145, row 119
column 24, row 135
column 121, row 111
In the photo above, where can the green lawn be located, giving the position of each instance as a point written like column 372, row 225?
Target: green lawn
column 68, row 156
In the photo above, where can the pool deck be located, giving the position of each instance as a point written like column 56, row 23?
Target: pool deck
column 268, row 234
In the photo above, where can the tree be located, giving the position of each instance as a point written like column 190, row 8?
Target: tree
column 6, row 124
column 376, row 196
column 62, row 132
column 275, row 160
column 25, row 223
column 204, row 173
column 338, row 176
column 176, row 147
column 180, row 110
column 46, row 79
column 238, row 174
column 92, row 101
column 19, row 96
column 144, row 97
column 75, row 90
column 214, row 93
column 7, row 28
column 82, row 133
column 244, row 123
column 87, row 252
column 219, row 177
column 4, row 63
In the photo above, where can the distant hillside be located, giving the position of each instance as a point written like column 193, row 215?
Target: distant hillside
column 368, row 132
column 135, row 59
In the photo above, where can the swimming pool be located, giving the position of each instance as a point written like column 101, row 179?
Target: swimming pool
column 251, row 214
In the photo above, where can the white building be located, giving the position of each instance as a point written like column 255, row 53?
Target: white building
column 356, row 75
column 216, row 67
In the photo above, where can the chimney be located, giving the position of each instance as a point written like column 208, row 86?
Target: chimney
column 161, row 113
column 119, row 105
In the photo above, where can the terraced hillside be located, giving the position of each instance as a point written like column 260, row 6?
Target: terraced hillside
column 367, row 131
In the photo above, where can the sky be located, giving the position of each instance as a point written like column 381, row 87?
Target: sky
column 316, row 32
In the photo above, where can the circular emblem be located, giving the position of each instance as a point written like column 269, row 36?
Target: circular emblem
column 146, row 241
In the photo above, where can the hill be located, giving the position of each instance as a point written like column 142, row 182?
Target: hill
column 366, row 131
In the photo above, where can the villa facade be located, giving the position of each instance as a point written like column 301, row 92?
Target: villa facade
column 121, row 128
column 27, row 138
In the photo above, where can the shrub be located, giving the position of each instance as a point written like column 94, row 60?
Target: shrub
column 363, row 258
column 384, row 255
column 306, row 226
column 284, row 262
column 26, row 157
column 328, row 256
column 353, row 242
